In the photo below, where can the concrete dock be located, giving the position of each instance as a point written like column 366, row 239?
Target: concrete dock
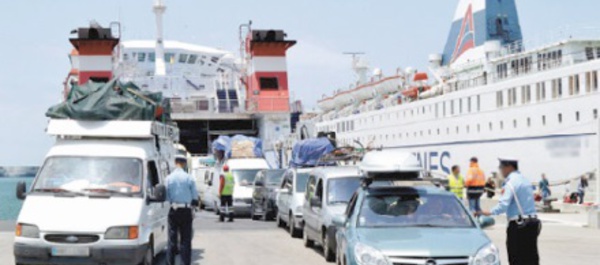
column 563, row 241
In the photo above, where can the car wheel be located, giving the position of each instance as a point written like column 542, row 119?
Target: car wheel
column 307, row 242
column 294, row 232
column 280, row 222
column 202, row 206
column 327, row 251
column 148, row 256
column 266, row 214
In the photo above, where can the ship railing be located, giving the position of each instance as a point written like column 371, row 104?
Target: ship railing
column 568, row 32
column 206, row 105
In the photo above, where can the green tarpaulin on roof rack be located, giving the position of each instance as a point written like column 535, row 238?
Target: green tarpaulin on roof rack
column 110, row 101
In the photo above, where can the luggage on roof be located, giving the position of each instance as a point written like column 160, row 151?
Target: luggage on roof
column 308, row 153
column 110, row 101
column 238, row 146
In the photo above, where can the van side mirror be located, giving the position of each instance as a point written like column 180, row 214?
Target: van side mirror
column 339, row 220
column 159, row 194
column 259, row 184
column 485, row 221
column 316, row 202
column 210, row 183
column 21, row 190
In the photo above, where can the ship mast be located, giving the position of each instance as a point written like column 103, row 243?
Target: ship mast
column 159, row 61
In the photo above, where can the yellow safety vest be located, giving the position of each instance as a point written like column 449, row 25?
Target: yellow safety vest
column 456, row 185
column 228, row 185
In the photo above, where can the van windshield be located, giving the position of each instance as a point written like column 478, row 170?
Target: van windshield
column 90, row 174
column 274, row 176
column 244, row 177
column 340, row 190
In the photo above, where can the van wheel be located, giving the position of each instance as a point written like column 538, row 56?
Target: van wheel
column 202, row 206
column 327, row 251
column 148, row 257
column 307, row 242
column 252, row 213
column 280, row 222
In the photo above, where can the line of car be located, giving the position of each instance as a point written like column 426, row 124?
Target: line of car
column 383, row 212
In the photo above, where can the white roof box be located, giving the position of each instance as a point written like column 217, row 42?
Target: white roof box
column 389, row 161
column 112, row 129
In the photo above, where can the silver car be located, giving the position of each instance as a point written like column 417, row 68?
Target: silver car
column 328, row 192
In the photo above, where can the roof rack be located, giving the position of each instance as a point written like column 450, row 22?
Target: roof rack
column 341, row 154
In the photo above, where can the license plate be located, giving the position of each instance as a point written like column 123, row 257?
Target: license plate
column 70, row 251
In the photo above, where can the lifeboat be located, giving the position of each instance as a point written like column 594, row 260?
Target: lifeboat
column 363, row 92
column 326, row 104
column 414, row 92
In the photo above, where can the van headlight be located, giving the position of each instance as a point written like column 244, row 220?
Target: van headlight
column 366, row 255
column 26, row 230
column 122, row 232
column 487, row 255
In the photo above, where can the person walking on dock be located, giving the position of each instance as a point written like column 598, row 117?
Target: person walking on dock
column 456, row 182
column 544, row 187
column 519, row 205
column 583, row 184
column 226, row 187
column 475, row 185
column 183, row 197
column 490, row 187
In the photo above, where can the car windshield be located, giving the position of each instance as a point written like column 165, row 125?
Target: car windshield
column 413, row 210
column 340, row 190
column 274, row 177
column 90, row 174
column 244, row 177
column 301, row 180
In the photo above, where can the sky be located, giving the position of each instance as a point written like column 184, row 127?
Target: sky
column 392, row 33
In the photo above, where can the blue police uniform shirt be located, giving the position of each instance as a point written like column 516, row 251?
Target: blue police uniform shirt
column 181, row 188
column 524, row 191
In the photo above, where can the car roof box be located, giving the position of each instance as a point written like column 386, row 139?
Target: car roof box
column 391, row 165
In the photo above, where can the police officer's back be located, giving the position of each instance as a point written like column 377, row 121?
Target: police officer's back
column 519, row 205
column 182, row 196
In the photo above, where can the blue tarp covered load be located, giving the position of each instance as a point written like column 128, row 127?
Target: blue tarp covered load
column 307, row 153
column 238, row 146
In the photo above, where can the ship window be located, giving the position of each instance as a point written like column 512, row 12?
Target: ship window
column 169, row 57
column 438, row 131
column 576, row 84
column 141, row 57
column 491, row 127
column 151, row 57
column 452, row 107
column 577, row 115
column 192, row 59
column 421, row 133
column 478, row 127
column 469, row 104
column 499, row 99
column 125, row 56
column 429, row 131
column 595, row 113
column 478, row 103
column 183, row 58
column 269, row 83
column 457, row 130
column 447, row 130
column 501, row 125
column 544, row 120
column 468, row 129
column 514, row 95
column 444, row 108
column 460, row 106
column 560, row 118
column 589, row 53
column 515, row 124
column 528, row 122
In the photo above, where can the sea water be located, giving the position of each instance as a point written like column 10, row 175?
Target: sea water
column 9, row 204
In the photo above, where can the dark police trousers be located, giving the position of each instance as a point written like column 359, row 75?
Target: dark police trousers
column 180, row 226
column 521, row 242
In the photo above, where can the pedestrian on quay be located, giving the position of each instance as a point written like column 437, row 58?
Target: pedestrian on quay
column 183, row 197
column 490, row 188
column 226, row 187
column 583, row 184
column 475, row 184
column 456, row 182
column 544, row 187
column 519, row 205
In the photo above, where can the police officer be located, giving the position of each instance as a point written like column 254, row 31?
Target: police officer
column 519, row 205
column 226, row 187
column 456, row 182
column 183, row 196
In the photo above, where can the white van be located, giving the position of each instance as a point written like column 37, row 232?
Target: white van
column 290, row 199
column 99, row 197
column 244, row 171
column 200, row 171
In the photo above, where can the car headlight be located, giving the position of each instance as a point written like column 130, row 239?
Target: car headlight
column 29, row 231
column 366, row 255
column 487, row 255
column 122, row 232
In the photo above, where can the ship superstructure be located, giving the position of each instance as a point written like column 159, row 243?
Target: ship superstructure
column 211, row 92
column 491, row 95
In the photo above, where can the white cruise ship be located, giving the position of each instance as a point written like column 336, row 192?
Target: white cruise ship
column 489, row 95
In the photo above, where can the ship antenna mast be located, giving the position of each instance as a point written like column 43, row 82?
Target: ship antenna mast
column 159, row 61
column 359, row 66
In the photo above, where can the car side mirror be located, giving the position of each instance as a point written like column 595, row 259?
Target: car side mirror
column 259, row 184
column 316, row 202
column 339, row 220
column 159, row 194
column 210, row 183
column 485, row 221
column 21, row 190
